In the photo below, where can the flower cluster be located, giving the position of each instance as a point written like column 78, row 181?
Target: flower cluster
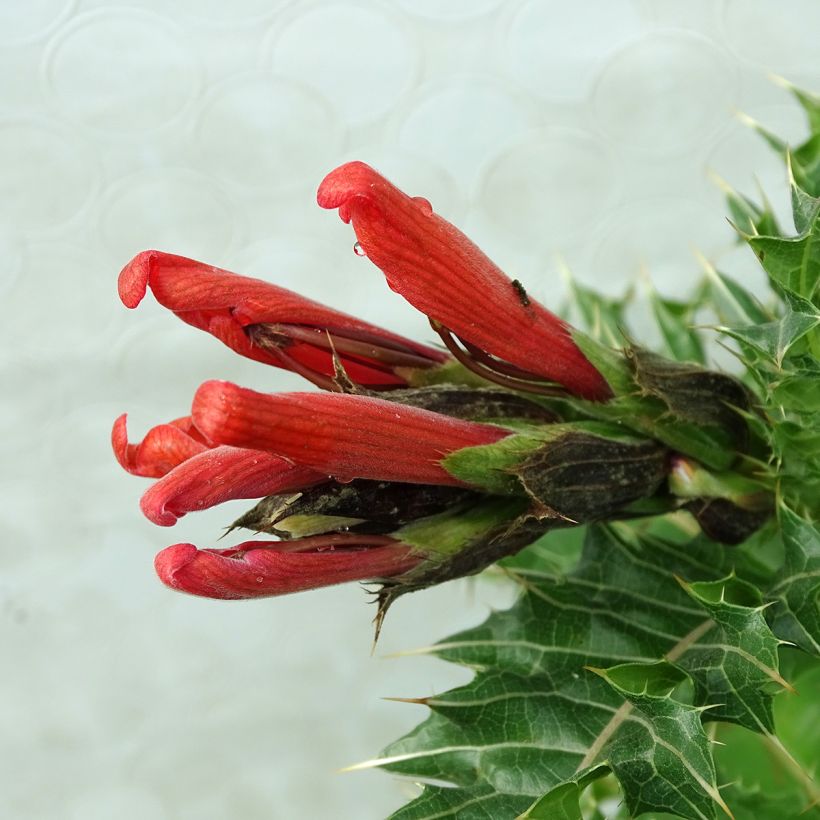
column 417, row 463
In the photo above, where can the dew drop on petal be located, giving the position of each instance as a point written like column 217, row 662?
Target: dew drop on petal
column 259, row 579
column 423, row 205
column 359, row 250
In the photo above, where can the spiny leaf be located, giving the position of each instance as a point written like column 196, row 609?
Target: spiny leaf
column 796, row 616
column 809, row 102
column 480, row 803
column 561, row 803
column 734, row 305
column 661, row 734
column 534, row 717
column 792, row 263
column 805, row 207
column 675, row 320
column 601, row 316
column 738, row 680
column 774, row 339
column 746, row 214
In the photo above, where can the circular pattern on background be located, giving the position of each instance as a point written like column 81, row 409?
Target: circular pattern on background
column 142, row 75
column 75, row 290
column 176, row 210
column 450, row 10
column 364, row 66
column 45, row 175
column 657, row 235
column 460, row 125
column 664, row 94
column 536, row 51
column 221, row 13
column 761, row 32
column 19, row 25
column 554, row 184
column 264, row 132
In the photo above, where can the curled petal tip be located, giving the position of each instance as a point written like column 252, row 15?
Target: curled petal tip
column 172, row 561
column 133, row 279
column 210, row 409
column 347, row 181
column 119, row 441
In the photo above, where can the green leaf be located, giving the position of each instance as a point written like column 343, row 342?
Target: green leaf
column 734, row 305
column 601, row 316
column 661, row 734
column 809, row 102
column 746, row 214
column 480, row 803
column 675, row 321
column 740, row 691
column 562, row 802
column 805, row 207
column 774, row 339
column 534, row 718
column 791, row 262
column 796, row 615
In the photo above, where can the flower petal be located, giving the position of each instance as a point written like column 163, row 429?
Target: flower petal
column 224, row 304
column 443, row 274
column 163, row 448
column 259, row 569
column 345, row 436
column 218, row 475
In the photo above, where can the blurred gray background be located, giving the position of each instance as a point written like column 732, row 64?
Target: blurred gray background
column 545, row 129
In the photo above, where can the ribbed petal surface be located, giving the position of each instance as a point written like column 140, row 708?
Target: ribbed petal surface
column 218, row 475
column 224, row 304
column 164, row 447
column 344, row 436
column 443, row 274
column 259, row 569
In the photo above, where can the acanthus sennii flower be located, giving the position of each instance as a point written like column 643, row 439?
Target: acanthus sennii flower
column 418, row 464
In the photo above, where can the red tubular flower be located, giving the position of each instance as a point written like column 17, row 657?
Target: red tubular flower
column 163, row 448
column 256, row 569
column 274, row 325
column 218, row 475
column 442, row 273
column 346, row 436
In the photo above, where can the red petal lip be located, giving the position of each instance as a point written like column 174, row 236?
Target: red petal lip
column 163, row 448
column 442, row 273
column 345, row 436
column 218, row 475
column 224, row 304
column 260, row 569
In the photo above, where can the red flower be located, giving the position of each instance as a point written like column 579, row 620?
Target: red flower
column 256, row 569
column 345, row 436
column 163, row 448
column 443, row 274
column 218, row 475
column 274, row 325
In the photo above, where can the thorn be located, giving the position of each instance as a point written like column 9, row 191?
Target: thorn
column 780, row 81
column 741, row 233
column 419, row 701
column 707, row 266
column 747, row 119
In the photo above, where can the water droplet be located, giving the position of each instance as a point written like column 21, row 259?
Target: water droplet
column 260, row 578
column 423, row 205
column 200, row 503
column 359, row 250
